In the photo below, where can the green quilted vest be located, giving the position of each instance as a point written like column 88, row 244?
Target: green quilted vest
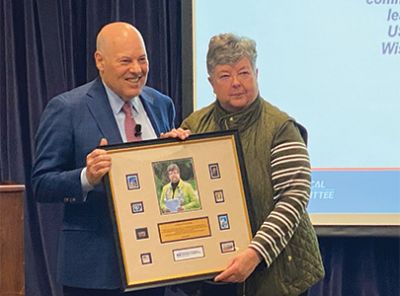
column 299, row 265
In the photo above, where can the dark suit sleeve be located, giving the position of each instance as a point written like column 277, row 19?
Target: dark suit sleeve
column 55, row 177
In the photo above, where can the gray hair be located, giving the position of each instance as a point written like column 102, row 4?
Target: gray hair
column 173, row 167
column 228, row 49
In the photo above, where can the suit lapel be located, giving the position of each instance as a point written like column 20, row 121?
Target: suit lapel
column 100, row 108
column 148, row 105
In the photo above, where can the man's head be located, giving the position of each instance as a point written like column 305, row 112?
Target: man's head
column 121, row 59
column 173, row 173
column 231, row 66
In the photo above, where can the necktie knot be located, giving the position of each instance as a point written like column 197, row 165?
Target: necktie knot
column 127, row 109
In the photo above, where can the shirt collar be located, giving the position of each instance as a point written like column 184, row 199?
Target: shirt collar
column 116, row 102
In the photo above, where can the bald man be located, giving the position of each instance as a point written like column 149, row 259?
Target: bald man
column 69, row 169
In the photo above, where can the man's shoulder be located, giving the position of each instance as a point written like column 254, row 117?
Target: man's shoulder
column 77, row 94
column 84, row 88
column 154, row 96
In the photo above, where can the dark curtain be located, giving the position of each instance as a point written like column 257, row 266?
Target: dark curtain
column 359, row 266
column 47, row 47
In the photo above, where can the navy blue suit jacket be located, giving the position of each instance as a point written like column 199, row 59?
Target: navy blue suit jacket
column 71, row 127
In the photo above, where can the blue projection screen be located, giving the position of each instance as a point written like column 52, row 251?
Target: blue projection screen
column 334, row 66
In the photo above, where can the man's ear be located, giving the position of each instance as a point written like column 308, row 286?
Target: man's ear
column 98, row 57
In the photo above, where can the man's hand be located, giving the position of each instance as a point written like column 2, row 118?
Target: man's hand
column 176, row 133
column 240, row 268
column 98, row 163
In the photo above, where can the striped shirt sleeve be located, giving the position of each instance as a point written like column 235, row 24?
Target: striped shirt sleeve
column 291, row 180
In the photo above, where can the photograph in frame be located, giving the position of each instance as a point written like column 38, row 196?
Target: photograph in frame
column 176, row 184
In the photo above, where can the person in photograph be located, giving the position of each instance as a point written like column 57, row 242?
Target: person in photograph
column 283, row 258
column 178, row 190
column 69, row 169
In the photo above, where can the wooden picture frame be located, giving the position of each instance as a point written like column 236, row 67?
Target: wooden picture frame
column 160, row 243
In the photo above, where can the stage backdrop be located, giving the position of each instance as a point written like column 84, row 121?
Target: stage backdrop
column 46, row 47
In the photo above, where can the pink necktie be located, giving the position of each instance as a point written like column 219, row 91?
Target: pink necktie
column 130, row 124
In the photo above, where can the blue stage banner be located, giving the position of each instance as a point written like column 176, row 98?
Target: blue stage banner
column 358, row 191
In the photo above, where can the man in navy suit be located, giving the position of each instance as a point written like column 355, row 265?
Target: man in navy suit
column 69, row 168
